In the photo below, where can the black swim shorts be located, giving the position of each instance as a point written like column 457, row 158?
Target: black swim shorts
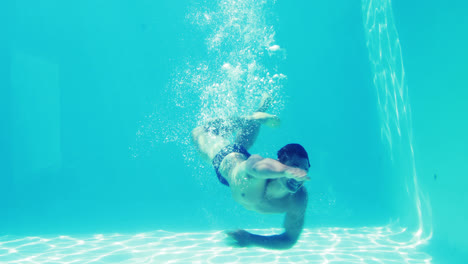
column 222, row 154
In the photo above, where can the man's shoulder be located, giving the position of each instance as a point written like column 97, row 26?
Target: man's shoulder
column 255, row 157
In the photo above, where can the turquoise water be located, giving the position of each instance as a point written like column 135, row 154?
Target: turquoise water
column 101, row 96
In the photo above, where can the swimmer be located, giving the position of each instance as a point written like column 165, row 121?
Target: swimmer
column 259, row 184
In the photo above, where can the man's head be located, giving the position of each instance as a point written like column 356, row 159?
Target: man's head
column 294, row 155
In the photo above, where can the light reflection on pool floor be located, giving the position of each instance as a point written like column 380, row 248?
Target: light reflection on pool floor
column 323, row 245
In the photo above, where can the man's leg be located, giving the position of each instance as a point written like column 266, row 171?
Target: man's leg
column 208, row 143
column 214, row 136
column 250, row 128
column 250, row 125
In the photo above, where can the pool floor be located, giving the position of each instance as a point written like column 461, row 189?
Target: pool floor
column 321, row 245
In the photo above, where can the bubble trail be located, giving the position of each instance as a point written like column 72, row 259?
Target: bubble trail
column 242, row 60
column 240, row 66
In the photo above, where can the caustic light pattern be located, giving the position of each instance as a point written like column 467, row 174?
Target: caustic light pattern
column 324, row 245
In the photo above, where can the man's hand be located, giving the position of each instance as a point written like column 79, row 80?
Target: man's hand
column 242, row 238
column 293, row 223
column 296, row 174
column 239, row 238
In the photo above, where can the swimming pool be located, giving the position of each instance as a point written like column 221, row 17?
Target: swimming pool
column 97, row 161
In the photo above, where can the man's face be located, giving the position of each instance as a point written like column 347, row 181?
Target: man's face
column 298, row 162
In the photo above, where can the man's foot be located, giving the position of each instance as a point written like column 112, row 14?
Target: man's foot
column 265, row 119
column 265, row 103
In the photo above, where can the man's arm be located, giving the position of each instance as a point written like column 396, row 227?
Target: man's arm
column 267, row 168
column 293, row 223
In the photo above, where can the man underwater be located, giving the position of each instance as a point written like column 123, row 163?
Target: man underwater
column 259, row 184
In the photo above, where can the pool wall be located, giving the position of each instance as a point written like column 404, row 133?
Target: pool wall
column 433, row 38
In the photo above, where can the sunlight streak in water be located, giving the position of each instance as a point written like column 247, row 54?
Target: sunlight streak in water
column 324, row 245
column 389, row 80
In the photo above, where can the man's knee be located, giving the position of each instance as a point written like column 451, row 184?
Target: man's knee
column 196, row 133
